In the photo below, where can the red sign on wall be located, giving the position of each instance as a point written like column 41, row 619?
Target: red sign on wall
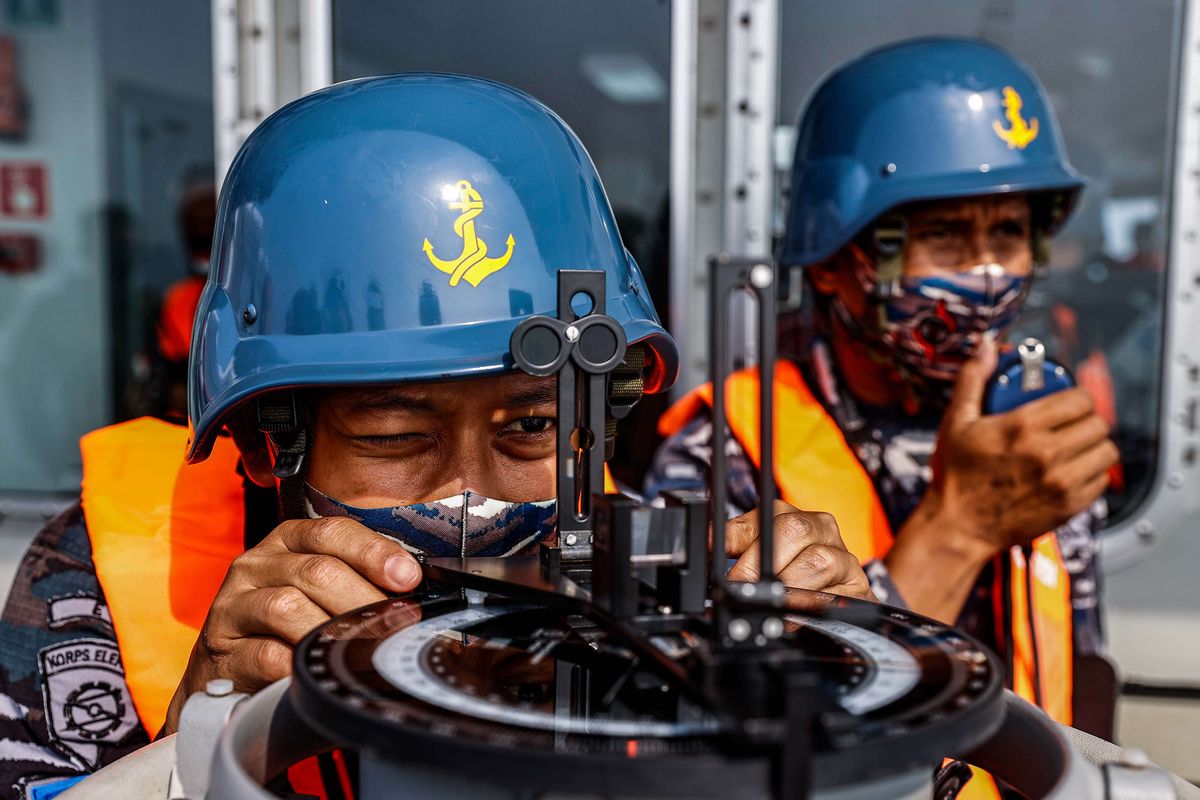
column 24, row 190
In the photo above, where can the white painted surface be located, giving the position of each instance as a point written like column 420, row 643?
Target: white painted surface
column 1168, row 730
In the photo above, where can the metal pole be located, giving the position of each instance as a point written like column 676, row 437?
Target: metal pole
column 316, row 44
column 697, row 173
column 225, row 84
column 257, row 67
column 751, row 107
column 752, row 88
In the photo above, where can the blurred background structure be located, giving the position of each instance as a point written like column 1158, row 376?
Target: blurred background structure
column 116, row 115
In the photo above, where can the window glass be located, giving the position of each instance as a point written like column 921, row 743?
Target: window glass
column 1109, row 73
column 105, row 124
column 604, row 67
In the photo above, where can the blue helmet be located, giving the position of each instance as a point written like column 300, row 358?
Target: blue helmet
column 919, row 120
column 398, row 229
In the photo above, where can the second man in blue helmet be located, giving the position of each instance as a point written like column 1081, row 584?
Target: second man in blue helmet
column 928, row 179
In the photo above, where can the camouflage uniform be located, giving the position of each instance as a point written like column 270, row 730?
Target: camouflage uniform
column 65, row 710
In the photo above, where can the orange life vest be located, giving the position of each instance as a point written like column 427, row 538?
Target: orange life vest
column 163, row 535
column 816, row 469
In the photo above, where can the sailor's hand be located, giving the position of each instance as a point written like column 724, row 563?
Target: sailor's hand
column 303, row 573
column 809, row 552
column 998, row 481
column 1005, row 479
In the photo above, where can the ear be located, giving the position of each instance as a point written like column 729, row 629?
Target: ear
column 823, row 277
column 252, row 444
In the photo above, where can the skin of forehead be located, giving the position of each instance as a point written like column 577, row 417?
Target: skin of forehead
column 512, row 389
column 968, row 206
column 979, row 214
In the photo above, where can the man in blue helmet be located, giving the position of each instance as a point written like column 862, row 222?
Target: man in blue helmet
column 928, row 178
column 377, row 244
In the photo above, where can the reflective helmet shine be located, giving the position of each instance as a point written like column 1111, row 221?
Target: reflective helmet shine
column 398, row 229
column 919, row 120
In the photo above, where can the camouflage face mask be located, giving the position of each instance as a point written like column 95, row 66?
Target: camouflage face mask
column 466, row 524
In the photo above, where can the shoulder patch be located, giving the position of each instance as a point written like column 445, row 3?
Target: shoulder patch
column 76, row 609
column 86, row 699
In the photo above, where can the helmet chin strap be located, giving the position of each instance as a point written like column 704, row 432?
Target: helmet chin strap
column 286, row 423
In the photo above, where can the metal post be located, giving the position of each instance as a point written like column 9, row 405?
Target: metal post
column 256, row 56
column 316, row 44
column 752, row 81
column 265, row 53
column 724, row 78
column 697, row 173
column 225, row 84
column 751, row 104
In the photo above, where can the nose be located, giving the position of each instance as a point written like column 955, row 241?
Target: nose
column 983, row 249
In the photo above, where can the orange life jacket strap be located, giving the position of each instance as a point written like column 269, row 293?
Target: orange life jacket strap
column 1042, row 636
column 163, row 535
column 814, row 467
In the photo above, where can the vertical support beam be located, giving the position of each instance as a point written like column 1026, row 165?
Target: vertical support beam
column 751, row 106
column 724, row 87
column 265, row 53
column 752, row 90
column 256, row 58
column 316, row 44
column 697, row 173
column 225, row 84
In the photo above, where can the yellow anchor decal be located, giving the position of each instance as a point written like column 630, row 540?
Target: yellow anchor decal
column 472, row 263
column 1021, row 133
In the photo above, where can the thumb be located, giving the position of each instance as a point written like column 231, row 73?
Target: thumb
column 966, row 402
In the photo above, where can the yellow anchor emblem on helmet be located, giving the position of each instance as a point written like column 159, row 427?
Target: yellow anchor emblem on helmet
column 472, row 263
column 1020, row 133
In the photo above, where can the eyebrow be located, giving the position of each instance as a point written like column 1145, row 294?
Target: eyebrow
column 945, row 220
column 390, row 400
column 537, row 394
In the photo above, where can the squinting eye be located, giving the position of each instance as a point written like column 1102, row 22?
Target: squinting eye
column 531, row 425
column 1011, row 229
